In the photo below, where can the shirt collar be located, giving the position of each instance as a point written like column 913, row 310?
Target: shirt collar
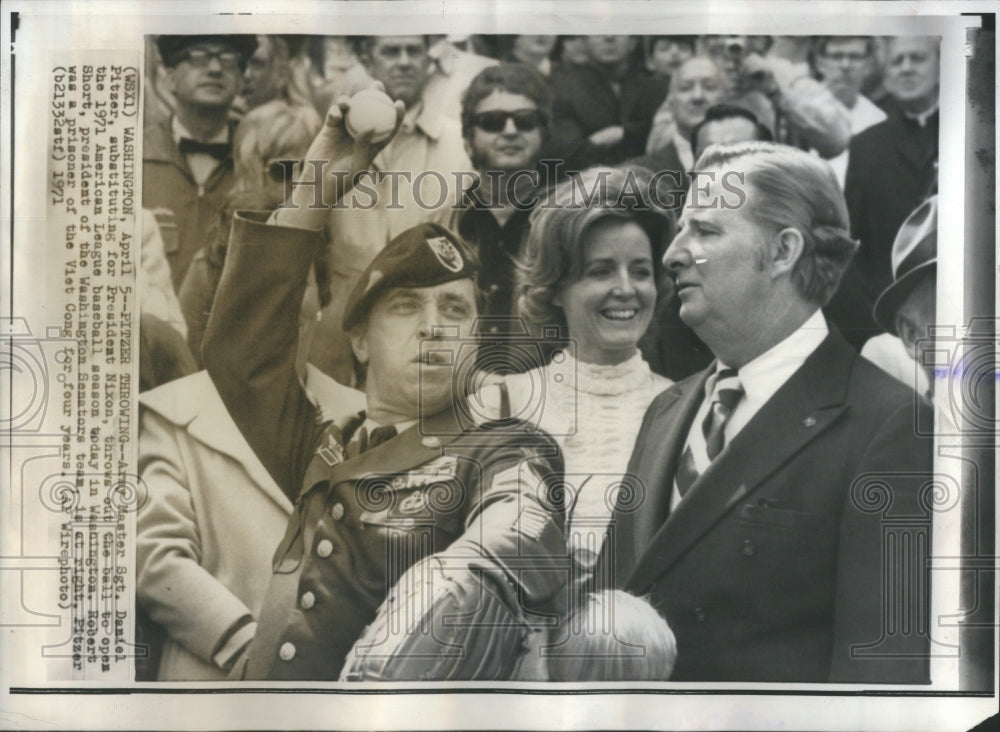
column 401, row 427
column 179, row 132
column 922, row 118
column 443, row 54
column 764, row 375
column 420, row 117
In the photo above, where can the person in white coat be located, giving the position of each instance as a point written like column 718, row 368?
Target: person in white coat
column 212, row 518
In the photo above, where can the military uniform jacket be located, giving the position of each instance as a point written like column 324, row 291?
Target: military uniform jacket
column 358, row 524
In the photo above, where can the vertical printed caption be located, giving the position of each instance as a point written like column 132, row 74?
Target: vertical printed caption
column 91, row 210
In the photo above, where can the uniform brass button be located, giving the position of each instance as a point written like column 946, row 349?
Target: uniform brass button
column 337, row 511
column 431, row 441
column 286, row 652
column 809, row 422
column 307, row 600
column 749, row 548
column 324, row 548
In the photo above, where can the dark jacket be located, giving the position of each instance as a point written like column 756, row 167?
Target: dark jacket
column 892, row 169
column 184, row 210
column 584, row 102
column 778, row 564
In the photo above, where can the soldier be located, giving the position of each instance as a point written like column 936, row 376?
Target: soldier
column 366, row 512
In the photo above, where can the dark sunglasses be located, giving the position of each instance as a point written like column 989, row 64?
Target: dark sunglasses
column 525, row 120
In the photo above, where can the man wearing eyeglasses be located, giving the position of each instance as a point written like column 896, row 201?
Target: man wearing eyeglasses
column 187, row 159
column 505, row 123
column 844, row 62
column 411, row 181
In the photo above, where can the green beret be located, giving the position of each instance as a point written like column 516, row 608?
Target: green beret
column 423, row 256
column 170, row 46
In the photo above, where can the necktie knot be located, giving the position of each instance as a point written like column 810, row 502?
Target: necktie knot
column 723, row 394
column 727, row 390
column 726, row 394
column 380, row 435
column 218, row 150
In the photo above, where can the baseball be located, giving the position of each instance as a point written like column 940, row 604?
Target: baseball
column 371, row 109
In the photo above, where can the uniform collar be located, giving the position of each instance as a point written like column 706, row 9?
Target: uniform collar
column 922, row 118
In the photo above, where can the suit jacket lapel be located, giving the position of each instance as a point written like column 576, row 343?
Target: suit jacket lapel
column 653, row 463
column 799, row 412
column 202, row 413
column 657, row 465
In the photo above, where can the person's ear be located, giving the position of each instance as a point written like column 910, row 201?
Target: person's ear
column 359, row 344
column 168, row 79
column 909, row 333
column 364, row 55
column 786, row 249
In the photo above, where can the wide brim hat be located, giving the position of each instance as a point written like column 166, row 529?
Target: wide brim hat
column 914, row 252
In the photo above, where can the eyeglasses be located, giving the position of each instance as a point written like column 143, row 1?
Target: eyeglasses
column 839, row 58
column 200, row 58
column 525, row 120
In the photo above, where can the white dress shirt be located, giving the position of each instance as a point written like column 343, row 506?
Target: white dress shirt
column 201, row 164
column 761, row 378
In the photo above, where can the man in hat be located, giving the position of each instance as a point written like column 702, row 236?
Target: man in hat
column 775, row 478
column 906, row 308
column 187, row 165
column 380, row 494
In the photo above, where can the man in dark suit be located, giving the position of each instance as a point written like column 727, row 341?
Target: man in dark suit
column 602, row 111
column 187, row 160
column 781, row 491
column 892, row 166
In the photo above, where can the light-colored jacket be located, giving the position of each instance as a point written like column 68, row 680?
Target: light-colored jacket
column 212, row 520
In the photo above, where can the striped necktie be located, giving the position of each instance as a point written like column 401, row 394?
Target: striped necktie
column 362, row 441
column 725, row 394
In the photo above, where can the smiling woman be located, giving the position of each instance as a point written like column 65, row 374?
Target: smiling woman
column 591, row 266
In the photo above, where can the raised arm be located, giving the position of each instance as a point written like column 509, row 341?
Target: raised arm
column 252, row 334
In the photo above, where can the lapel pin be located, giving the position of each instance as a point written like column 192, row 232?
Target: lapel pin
column 809, row 422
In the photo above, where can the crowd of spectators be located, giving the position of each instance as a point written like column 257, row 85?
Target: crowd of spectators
column 867, row 105
column 495, row 135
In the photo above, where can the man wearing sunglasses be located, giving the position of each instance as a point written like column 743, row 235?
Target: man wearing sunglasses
column 187, row 159
column 505, row 116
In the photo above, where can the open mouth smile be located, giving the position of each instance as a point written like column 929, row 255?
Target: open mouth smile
column 619, row 313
